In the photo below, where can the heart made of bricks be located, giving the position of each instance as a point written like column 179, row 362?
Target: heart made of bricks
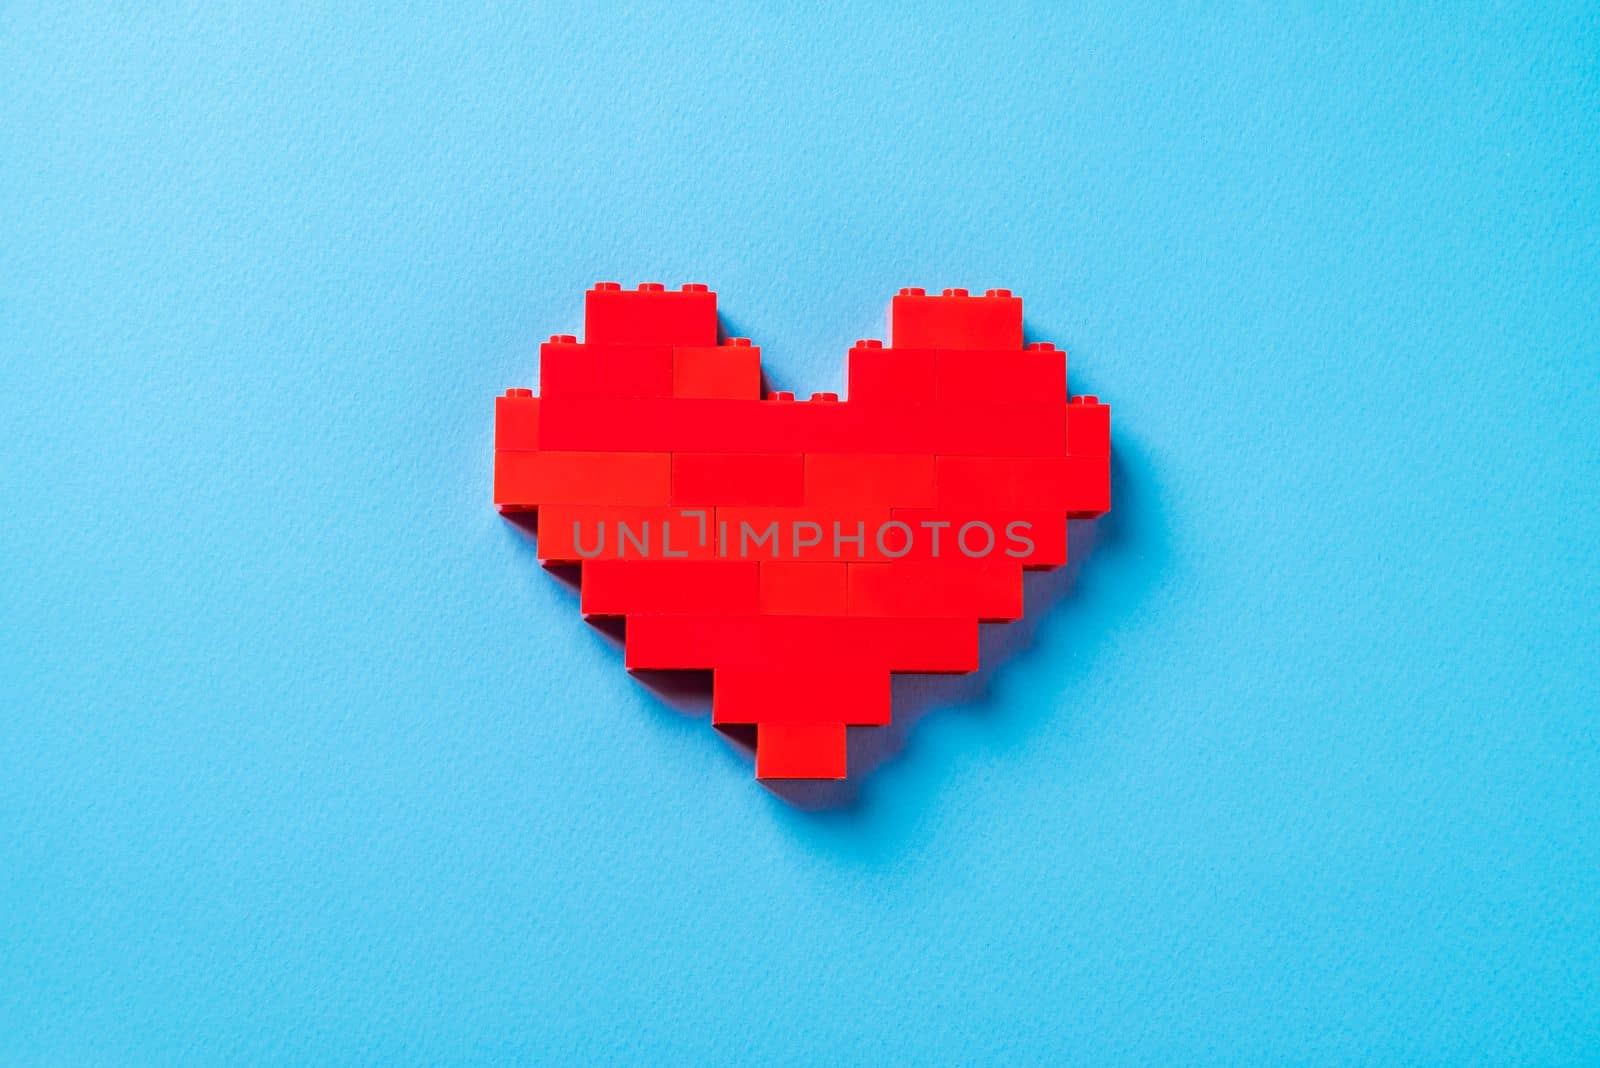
column 803, row 551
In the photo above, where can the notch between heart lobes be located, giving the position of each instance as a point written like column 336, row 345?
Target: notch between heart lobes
column 803, row 551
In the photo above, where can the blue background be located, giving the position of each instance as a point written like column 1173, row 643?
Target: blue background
column 303, row 758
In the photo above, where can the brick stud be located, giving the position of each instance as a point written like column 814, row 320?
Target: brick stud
column 913, row 291
column 997, row 292
column 954, row 293
column 608, row 286
column 696, row 287
column 651, row 287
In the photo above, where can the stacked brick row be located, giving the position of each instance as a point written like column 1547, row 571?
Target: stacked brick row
column 654, row 461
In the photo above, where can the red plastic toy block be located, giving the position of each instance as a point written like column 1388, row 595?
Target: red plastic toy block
column 929, row 646
column 1037, row 540
column 1024, row 428
column 670, row 587
column 819, row 695
column 516, row 420
column 571, row 534
column 801, row 751
column 1079, row 486
column 1075, row 485
column 1088, row 427
column 787, row 643
column 645, row 424
column 692, row 424
column 812, row 533
column 868, row 480
column 525, row 480
column 568, row 369
column 876, row 375
column 955, row 320
column 789, row 588
column 721, row 372
column 1089, row 495
column 986, row 590
column 802, row 550
column 650, row 315
column 712, row 478
column 988, row 376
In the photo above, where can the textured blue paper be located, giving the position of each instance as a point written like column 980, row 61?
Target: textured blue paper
column 304, row 760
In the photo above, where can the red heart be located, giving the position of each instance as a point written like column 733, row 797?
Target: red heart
column 803, row 551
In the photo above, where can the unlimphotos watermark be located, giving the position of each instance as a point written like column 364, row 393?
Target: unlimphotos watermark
column 792, row 538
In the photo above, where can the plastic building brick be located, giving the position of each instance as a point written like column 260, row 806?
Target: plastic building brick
column 568, row 369
column 516, row 421
column 889, row 376
column 810, row 533
column 986, row 376
column 1035, row 539
column 525, row 480
column 721, row 372
column 857, row 698
column 712, row 478
column 669, row 587
column 1088, row 427
column 790, row 588
column 936, row 589
column 801, row 751
column 650, row 315
column 574, row 533
column 803, row 550
column 866, row 480
column 956, row 320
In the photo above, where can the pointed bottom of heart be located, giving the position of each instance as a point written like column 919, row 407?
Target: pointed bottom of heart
column 800, row 681
column 800, row 751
